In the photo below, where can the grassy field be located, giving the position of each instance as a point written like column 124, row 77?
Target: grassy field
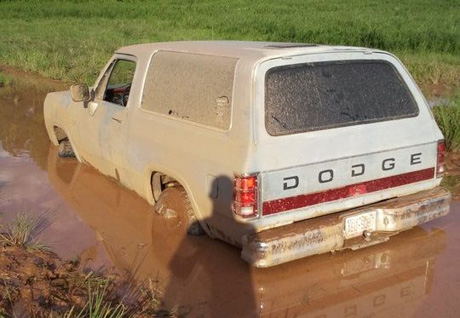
column 448, row 119
column 72, row 40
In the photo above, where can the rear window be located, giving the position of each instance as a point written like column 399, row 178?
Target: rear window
column 307, row 97
column 193, row 87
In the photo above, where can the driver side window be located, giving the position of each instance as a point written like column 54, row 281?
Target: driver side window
column 116, row 84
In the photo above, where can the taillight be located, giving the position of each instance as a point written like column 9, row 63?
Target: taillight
column 245, row 196
column 440, row 167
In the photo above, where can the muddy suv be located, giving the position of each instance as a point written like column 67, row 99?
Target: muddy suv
column 286, row 150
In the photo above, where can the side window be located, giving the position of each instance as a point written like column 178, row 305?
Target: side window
column 192, row 87
column 116, row 84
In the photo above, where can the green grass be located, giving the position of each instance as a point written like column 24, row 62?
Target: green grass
column 107, row 298
column 98, row 306
column 21, row 232
column 448, row 119
column 72, row 40
column 434, row 69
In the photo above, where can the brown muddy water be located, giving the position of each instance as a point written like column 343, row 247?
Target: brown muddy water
column 415, row 274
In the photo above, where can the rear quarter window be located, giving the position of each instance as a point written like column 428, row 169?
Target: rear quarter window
column 307, row 97
column 193, row 87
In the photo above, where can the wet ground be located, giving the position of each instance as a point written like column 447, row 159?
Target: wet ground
column 88, row 216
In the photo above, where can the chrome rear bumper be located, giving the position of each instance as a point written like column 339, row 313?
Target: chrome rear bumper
column 327, row 233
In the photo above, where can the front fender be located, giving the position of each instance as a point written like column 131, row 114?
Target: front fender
column 56, row 111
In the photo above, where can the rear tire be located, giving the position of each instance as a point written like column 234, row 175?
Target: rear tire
column 65, row 149
column 174, row 203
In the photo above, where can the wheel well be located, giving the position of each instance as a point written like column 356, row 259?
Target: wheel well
column 59, row 133
column 160, row 181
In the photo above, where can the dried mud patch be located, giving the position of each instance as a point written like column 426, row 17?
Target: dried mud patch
column 36, row 283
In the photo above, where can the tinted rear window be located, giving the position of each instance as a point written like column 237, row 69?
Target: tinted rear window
column 306, row 97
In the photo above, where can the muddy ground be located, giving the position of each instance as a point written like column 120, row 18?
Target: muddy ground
column 92, row 223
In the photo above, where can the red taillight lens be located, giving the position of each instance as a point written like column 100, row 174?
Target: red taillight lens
column 440, row 167
column 245, row 196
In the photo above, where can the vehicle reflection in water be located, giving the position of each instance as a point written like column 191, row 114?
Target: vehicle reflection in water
column 206, row 278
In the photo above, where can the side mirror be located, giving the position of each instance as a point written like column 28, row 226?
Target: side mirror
column 80, row 93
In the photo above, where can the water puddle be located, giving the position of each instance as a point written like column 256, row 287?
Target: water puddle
column 415, row 274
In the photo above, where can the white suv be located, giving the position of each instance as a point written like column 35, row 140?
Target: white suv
column 286, row 150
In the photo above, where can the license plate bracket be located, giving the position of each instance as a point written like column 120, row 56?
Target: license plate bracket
column 356, row 224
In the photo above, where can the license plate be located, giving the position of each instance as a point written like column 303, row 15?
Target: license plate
column 355, row 225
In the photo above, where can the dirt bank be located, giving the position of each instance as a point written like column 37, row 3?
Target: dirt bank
column 37, row 283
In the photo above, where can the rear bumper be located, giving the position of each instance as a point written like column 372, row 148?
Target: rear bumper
column 327, row 233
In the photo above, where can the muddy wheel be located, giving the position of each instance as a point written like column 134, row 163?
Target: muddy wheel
column 174, row 203
column 65, row 149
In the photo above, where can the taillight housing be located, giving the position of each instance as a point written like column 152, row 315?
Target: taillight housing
column 440, row 164
column 245, row 196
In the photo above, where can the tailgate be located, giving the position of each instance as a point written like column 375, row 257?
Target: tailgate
column 374, row 176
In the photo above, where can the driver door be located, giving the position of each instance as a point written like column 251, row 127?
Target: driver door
column 107, row 117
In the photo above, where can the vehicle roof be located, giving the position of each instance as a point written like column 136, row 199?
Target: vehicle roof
column 237, row 49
